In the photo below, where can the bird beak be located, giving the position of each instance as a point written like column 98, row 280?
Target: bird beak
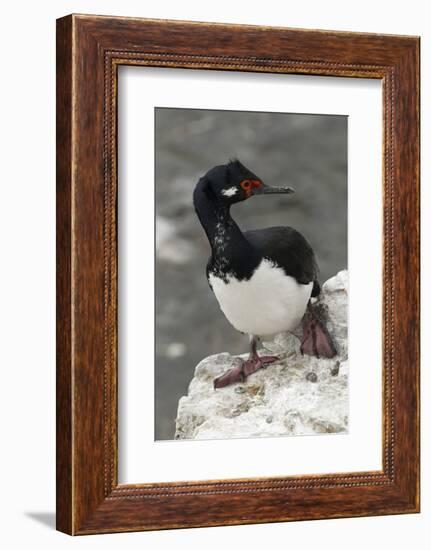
column 268, row 190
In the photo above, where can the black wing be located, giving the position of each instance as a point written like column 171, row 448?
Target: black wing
column 290, row 250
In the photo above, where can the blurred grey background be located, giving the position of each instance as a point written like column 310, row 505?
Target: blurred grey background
column 307, row 152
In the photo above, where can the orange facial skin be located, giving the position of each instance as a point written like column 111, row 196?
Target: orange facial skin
column 248, row 185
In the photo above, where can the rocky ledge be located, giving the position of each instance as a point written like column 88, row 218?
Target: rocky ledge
column 300, row 395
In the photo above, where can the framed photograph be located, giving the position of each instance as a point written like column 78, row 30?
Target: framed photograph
column 237, row 274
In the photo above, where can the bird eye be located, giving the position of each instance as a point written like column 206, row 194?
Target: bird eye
column 246, row 185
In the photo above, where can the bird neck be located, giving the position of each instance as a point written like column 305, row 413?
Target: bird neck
column 231, row 251
column 219, row 226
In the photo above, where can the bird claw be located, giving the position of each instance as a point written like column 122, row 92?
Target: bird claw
column 235, row 374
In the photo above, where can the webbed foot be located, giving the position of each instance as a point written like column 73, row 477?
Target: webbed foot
column 243, row 368
column 316, row 339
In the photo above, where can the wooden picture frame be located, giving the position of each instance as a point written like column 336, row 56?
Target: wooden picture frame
column 89, row 51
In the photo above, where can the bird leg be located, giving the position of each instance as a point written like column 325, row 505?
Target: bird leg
column 316, row 339
column 244, row 368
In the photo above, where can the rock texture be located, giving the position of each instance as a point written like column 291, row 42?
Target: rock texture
column 300, row 395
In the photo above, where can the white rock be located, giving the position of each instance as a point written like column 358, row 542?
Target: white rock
column 280, row 400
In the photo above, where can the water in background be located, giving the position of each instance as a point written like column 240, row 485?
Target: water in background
column 307, row 152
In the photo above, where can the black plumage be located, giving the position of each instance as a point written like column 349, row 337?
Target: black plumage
column 239, row 253
column 288, row 249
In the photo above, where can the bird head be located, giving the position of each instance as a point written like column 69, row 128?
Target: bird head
column 233, row 182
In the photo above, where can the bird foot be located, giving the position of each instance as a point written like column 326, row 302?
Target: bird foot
column 242, row 369
column 316, row 339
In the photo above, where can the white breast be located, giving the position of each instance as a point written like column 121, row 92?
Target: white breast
column 268, row 303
